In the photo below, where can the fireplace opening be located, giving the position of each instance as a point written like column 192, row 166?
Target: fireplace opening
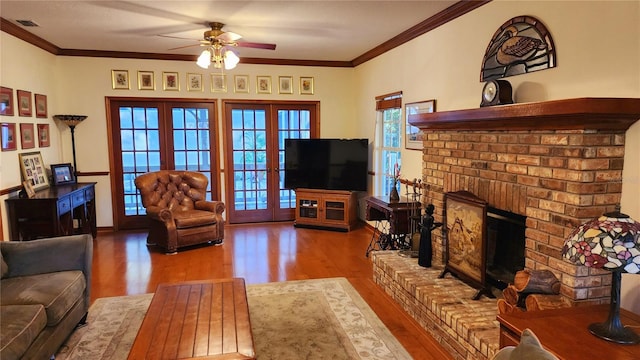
column 505, row 247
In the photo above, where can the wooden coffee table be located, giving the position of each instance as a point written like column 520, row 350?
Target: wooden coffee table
column 196, row 319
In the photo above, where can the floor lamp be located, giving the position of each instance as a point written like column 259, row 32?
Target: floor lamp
column 72, row 121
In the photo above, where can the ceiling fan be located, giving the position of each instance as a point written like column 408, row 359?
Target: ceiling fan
column 218, row 43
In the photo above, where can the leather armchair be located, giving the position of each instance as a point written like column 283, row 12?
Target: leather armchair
column 177, row 210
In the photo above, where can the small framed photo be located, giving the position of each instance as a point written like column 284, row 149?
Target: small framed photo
column 170, row 81
column 285, row 85
column 146, row 80
column 413, row 138
column 32, row 169
column 28, row 188
column 41, row 105
column 6, row 101
column 241, row 83
column 27, row 138
column 218, row 83
column 24, row 103
column 44, row 138
column 120, row 79
column 62, row 174
column 194, row 82
column 306, row 85
column 263, row 84
column 8, row 136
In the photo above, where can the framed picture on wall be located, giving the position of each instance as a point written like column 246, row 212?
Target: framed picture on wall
column 24, row 103
column 44, row 138
column 285, row 85
column 32, row 169
column 27, row 136
column 218, row 83
column 194, row 82
column 306, row 85
column 146, row 80
column 41, row 105
column 6, row 101
column 8, row 136
column 241, row 83
column 263, row 84
column 120, row 79
column 170, row 81
column 413, row 138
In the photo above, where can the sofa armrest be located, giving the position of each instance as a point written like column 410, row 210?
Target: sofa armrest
column 48, row 255
column 213, row 206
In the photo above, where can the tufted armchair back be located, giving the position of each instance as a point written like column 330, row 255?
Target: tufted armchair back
column 173, row 190
column 177, row 210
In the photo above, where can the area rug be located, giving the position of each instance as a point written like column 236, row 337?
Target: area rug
column 306, row 319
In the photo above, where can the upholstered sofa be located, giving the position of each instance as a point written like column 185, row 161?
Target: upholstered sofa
column 177, row 210
column 45, row 294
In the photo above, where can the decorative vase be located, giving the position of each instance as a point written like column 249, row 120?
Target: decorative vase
column 393, row 195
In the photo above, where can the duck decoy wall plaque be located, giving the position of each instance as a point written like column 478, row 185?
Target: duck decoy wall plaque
column 521, row 45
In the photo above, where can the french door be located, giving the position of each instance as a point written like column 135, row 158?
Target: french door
column 254, row 156
column 150, row 135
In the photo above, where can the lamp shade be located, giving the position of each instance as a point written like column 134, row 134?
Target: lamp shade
column 610, row 242
column 70, row 120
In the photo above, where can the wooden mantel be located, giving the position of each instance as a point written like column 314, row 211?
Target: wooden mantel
column 569, row 114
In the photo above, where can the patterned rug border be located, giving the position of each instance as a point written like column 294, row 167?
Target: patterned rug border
column 356, row 318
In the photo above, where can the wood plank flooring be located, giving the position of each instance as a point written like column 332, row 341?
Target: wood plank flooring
column 259, row 253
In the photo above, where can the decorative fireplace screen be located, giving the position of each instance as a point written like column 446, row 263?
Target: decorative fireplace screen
column 465, row 219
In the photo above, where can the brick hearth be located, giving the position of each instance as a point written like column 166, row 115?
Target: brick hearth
column 467, row 328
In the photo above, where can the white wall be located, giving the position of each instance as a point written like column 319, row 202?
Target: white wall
column 598, row 55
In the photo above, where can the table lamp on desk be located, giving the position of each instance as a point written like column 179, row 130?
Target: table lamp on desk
column 610, row 242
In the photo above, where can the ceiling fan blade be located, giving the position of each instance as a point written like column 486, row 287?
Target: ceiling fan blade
column 229, row 37
column 184, row 47
column 256, row 45
column 176, row 37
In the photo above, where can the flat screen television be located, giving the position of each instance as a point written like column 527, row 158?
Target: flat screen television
column 331, row 164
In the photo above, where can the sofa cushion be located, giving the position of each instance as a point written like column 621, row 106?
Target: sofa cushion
column 19, row 327
column 57, row 292
column 191, row 218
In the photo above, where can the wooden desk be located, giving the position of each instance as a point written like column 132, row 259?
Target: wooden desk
column 52, row 211
column 196, row 319
column 397, row 213
column 564, row 332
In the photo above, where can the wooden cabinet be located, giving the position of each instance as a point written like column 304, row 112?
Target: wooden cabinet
column 55, row 211
column 326, row 209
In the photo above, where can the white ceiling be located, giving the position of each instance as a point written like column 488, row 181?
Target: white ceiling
column 302, row 30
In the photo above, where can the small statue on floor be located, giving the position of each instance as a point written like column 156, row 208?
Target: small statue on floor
column 426, row 226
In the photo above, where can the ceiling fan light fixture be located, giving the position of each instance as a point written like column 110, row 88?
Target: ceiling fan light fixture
column 231, row 60
column 204, row 60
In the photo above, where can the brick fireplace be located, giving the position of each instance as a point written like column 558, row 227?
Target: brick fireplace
column 559, row 163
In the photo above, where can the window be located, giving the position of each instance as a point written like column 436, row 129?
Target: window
column 389, row 130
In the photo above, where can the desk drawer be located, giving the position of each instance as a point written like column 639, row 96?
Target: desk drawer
column 77, row 199
column 64, row 205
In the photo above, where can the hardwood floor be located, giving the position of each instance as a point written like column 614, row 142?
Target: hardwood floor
column 260, row 253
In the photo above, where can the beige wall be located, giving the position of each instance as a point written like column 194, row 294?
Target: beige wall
column 598, row 49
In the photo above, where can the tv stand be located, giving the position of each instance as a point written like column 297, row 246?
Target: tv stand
column 326, row 209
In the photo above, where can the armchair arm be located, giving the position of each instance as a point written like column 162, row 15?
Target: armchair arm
column 213, row 206
column 160, row 214
column 48, row 255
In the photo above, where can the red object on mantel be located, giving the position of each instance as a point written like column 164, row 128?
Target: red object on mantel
column 569, row 114
column 564, row 332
